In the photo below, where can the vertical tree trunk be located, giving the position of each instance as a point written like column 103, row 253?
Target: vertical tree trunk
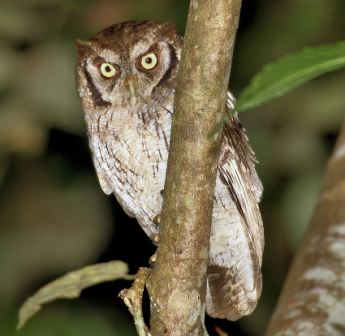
column 178, row 282
column 313, row 299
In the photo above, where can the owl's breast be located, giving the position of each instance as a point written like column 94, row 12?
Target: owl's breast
column 132, row 157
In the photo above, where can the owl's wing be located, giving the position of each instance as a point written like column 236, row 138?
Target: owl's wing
column 237, row 171
column 234, row 272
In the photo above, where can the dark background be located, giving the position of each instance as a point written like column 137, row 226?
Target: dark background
column 53, row 215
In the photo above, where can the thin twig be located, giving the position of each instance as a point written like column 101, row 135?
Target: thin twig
column 133, row 298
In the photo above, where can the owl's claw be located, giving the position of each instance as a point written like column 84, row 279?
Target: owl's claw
column 155, row 238
column 153, row 259
column 157, row 220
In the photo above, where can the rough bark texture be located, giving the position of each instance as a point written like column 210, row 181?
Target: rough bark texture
column 313, row 298
column 178, row 282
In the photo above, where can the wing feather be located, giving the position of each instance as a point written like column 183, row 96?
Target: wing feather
column 237, row 239
column 237, row 171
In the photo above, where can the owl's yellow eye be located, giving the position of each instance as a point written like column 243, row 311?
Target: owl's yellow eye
column 149, row 61
column 108, row 70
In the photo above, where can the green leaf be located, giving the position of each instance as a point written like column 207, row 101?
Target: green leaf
column 291, row 71
column 70, row 286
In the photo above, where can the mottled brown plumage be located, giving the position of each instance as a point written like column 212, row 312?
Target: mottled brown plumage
column 126, row 78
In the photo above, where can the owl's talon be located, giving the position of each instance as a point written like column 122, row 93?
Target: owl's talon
column 157, row 219
column 155, row 238
column 153, row 259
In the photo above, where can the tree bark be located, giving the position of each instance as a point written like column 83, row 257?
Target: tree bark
column 313, row 299
column 178, row 282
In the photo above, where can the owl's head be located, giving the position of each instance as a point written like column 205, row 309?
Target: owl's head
column 131, row 60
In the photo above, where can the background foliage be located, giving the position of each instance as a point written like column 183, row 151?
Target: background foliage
column 53, row 215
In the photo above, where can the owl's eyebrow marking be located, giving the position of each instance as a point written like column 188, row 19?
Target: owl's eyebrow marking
column 96, row 95
column 108, row 55
column 172, row 65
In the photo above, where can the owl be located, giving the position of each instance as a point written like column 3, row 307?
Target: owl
column 126, row 77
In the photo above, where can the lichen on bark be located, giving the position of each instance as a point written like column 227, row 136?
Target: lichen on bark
column 313, row 298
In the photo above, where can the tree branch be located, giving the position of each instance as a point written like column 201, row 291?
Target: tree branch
column 178, row 282
column 313, row 299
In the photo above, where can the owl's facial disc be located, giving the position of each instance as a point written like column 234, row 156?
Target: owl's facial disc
column 124, row 63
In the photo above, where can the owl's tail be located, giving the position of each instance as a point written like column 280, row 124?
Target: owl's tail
column 234, row 290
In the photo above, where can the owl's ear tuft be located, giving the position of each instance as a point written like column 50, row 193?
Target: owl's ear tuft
column 82, row 46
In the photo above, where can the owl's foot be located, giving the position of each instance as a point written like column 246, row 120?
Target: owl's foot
column 157, row 218
column 155, row 239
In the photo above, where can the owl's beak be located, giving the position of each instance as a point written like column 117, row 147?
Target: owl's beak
column 131, row 84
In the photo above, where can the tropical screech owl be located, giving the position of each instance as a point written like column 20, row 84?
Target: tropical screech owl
column 126, row 78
